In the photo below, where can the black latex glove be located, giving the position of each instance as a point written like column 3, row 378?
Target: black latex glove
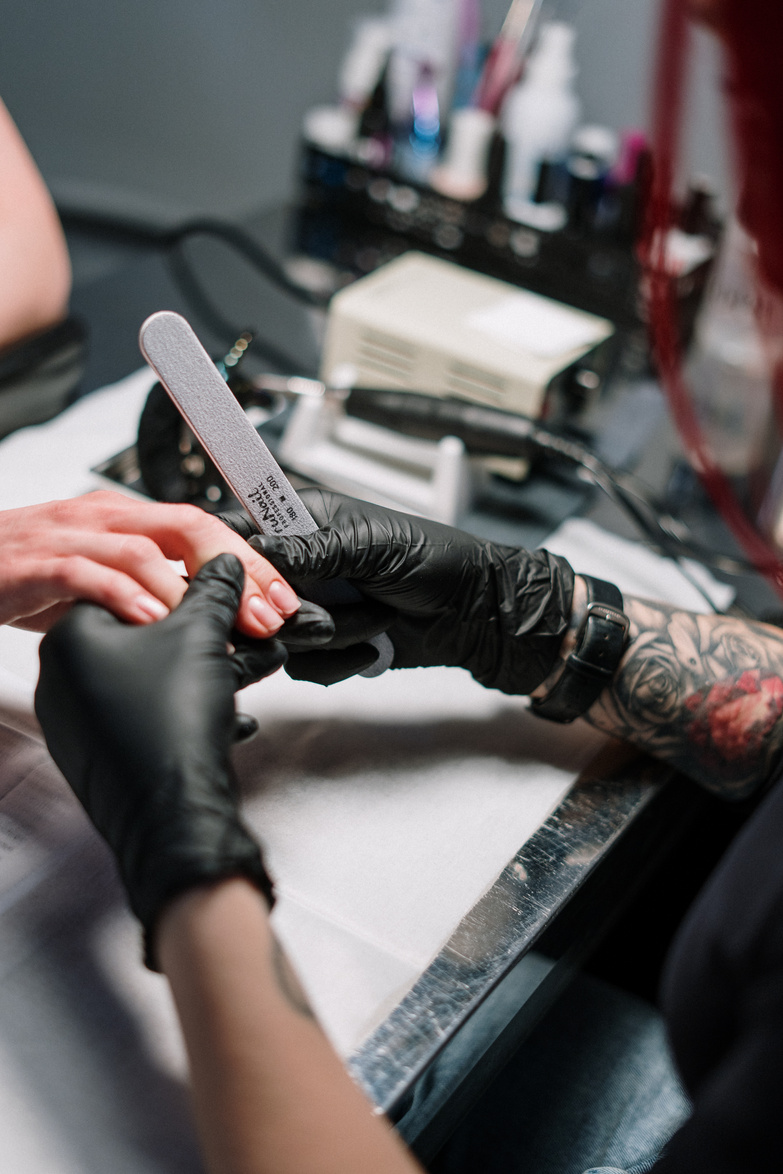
column 140, row 720
column 344, row 629
column 498, row 611
column 311, row 626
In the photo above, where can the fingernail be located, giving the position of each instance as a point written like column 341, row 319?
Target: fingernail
column 283, row 597
column 151, row 607
column 261, row 611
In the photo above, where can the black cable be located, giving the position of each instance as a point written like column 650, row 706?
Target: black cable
column 171, row 241
column 633, row 498
column 157, row 236
column 491, row 431
column 607, row 480
column 257, row 256
column 127, row 228
column 199, row 299
column 675, row 530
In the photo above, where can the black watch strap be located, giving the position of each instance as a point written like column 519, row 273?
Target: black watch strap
column 600, row 643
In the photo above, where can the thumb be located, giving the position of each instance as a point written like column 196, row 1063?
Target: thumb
column 330, row 553
column 239, row 522
column 356, row 540
column 303, row 560
column 215, row 592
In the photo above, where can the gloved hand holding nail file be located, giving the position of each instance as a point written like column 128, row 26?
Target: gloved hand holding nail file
column 446, row 597
column 172, row 349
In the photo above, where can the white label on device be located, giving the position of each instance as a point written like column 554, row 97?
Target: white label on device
column 532, row 325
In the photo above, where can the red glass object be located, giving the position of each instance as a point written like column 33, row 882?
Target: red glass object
column 752, row 35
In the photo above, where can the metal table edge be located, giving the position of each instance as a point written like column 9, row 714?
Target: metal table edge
column 503, row 925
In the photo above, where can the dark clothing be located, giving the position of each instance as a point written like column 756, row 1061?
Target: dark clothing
column 723, row 1002
column 592, row 1087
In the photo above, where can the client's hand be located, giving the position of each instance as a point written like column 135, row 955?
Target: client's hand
column 140, row 721
column 113, row 550
column 445, row 597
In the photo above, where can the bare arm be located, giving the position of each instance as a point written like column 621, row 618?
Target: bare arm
column 703, row 692
column 271, row 1096
column 35, row 272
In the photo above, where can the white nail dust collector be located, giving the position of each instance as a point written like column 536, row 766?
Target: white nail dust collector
column 428, row 325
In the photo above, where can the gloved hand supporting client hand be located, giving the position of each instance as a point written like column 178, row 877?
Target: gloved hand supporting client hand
column 140, row 720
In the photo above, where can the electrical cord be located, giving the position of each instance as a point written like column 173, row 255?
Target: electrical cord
column 628, row 494
column 198, row 298
column 156, row 236
column 172, row 240
column 492, row 431
column 668, row 535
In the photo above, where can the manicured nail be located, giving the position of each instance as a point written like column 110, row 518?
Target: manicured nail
column 151, row 607
column 283, row 597
column 261, row 611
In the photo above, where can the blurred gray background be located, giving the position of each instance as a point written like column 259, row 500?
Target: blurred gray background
column 167, row 107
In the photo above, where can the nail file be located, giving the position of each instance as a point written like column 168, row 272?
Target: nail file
column 170, row 346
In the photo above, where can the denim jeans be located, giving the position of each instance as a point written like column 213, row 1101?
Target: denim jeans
column 592, row 1091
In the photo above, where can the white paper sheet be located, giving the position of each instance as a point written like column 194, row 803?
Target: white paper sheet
column 387, row 808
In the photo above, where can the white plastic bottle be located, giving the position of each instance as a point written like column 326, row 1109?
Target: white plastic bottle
column 728, row 368
column 539, row 116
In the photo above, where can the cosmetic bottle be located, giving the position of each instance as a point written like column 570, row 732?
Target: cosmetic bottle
column 335, row 128
column 728, row 368
column 469, row 53
column 539, row 117
column 417, row 152
column 463, row 173
column 365, row 61
column 424, row 33
column 375, row 144
column 592, row 156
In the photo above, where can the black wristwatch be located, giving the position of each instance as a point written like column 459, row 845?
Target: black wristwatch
column 600, row 643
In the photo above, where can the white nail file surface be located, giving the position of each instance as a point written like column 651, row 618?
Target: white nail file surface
column 172, row 349
column 170, row 346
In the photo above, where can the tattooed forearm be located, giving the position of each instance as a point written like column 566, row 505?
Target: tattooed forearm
column 703, row 692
